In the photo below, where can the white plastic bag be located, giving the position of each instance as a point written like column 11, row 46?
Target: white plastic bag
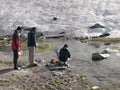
column 20, row 52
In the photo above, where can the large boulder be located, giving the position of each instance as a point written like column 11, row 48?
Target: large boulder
column 97, row 56
column 104, row 35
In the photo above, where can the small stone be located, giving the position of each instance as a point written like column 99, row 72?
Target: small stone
column 95, row 88
column 55, row 18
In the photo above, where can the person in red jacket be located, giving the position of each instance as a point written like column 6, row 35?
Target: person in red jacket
column 16, row 47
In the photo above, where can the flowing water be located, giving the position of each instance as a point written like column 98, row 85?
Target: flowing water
column 103, row 73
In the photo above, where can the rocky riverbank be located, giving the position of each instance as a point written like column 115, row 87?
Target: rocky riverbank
column 83, row 73
column 39, row 78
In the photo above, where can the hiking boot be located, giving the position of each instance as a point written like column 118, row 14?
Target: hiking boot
column 17, row 68
column 32, row 65
column 65, row 64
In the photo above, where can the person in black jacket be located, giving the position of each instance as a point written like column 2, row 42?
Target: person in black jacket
column 31, row 44
column 64, row 54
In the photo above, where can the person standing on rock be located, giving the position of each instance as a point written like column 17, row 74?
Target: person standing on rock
column 31, row 43
column 16, row 47
column 64, row 54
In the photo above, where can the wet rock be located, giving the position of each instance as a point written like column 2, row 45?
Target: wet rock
column 97, row 25
column 55, row 18
column 104, row 35
column 97, row 56
column 107, row 43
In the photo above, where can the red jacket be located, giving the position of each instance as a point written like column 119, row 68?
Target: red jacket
column 16, row 44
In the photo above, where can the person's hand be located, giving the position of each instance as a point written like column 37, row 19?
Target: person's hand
column 36, row 45
column 68, row 59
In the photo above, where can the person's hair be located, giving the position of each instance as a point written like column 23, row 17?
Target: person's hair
column 18, row 28
column 33, row 29
column 65, row 45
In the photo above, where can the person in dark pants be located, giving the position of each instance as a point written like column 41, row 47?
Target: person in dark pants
column 64, row 54
column 31, row 45
column 16, row 46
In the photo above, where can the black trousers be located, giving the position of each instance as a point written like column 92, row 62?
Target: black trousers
column 15, row 58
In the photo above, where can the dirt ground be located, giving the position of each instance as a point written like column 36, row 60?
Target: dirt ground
column 39, row 78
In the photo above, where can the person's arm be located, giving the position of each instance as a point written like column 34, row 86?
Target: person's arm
column 69, row 54
column 34, row 40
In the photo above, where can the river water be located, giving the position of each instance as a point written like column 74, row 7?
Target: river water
column 104, row 73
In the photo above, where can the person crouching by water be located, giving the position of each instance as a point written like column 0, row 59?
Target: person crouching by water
column 16, row 47
column 64, row 55
column 31, row 43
